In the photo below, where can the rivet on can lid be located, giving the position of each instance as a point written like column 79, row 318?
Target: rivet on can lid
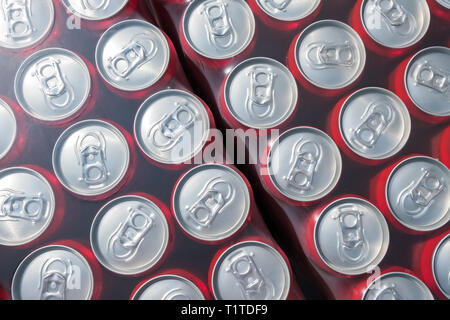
column 211, row 202
column 129, row 235
column 304, row 164
column 132, row 55
column 53, row 272
column 218, row 29
column 288, row 10
column 261, row 93
column 251, row 270
column 418, row 193
column 330, row 54
column 441, row 266
column 168, row 287
column 427, row 81
column 52, row 84
column 94, row 9
column 172, row 126
column 395, row 23
column 374, row 123
column 25, row 23
column 351, row 236
column 8, row 123
column 397, row 286
column 27, row 205
column 91, row 157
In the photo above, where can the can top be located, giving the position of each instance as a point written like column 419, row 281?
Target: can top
column 261, row 93
column 360, row 232
column 91, row 157
column 251, row 270
column 94, row 10
column 288, row 10
column 172, row 126
column 25, row 23
column 304, row 164
column 129, row 235
column 27, row 205
column 441, row 265
column 445, row 3
column 53, row 272
column 218, row 29
column 168, row 287
column 395, row 23
column 132, row 55
column 427, row 80
column 418, row 193
column 8, row 123
column 330, row 54
column 374, row 123
column 211, row 202
column 397, row 286
column 52, row 84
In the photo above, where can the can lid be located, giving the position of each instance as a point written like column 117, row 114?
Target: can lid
column 441, row 266
column 427, row 81
column 397, row 286
column 288, row 10
column 52, row 84
column 25, row 23
column 360, row 232
column 445, row 3
column 8, row 123
column 53, row 272
column 330, row 54
column 27, row 205
column 211, row 202
column 91, row 157
column 304, row 164
column 218, row 29
column 132, row 55
column 261, row 93
column 395, row 23
column 168, row 287
column 94, row 10
column 129, row 235
column 172, row 126
column 418, row 193
column 374, row 123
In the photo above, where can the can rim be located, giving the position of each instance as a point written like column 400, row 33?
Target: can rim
column 69, row 7
column 44, row 249
column 103, row 124
column 404, row 113
column 162, row 38
column 237, row 225
column 8, row 109
column 433, row 265
column 382, row 251
column 432, row 227
column 298, row 18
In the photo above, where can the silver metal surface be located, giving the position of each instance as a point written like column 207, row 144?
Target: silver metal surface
column 445, row 3
column 288, row 10
column 8, row 123
column 168, row 287
column 95, row 9
column 441, row 266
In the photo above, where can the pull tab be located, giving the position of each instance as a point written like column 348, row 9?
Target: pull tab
column 387, row 292
column 278, row 5
column 376, row 119
column 212, row 200
column 124, row 242
column 17, row 14
column 18, row 206
column 101, row 5
column 176, row 294
column 431, row 77
column 352, row 245
column 250, row 279
column 54, row 278
column 90, row 150
column 418, row 196
column 57, row 90
column 397, row 18
column 168, row 132
column 260, row 96
column 305, row 159
column 137, row 52
column 221, row 32
column 322, row 55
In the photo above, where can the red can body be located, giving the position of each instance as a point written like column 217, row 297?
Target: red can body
column 439, row 10
column 440, row 146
